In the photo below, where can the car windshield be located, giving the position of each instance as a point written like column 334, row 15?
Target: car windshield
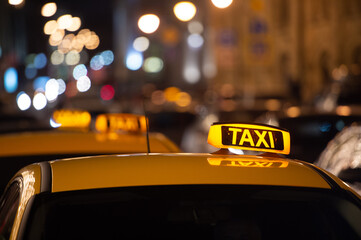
column 194, row 212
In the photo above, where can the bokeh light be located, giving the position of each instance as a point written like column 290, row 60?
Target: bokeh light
column 65, row 21
column 39, row 101
column 62, row 86
column 170, row 94
column 11, row 80
column 153, row 65
column 195, row 27
column 83, row 84
column 107, row 92
column 40, row 61
column 293, row 111
column 148, row 23
column 72, row 58
column 185, row 11
column 52, row 90
column 134, row 61
column 79, row 71
column 158, row 98
column 56, row 38
column 343, row 110
column 75, row 24
column 50, row 27
column 195, row 40
column 93, row 41
column 23, row 101
column 57, row 58
column 141, row 44
column 40, row 82
column 30, row 71
column 108, row 57
column 222, row 3
column 183, row 99
column 97, row 62
column 191, row 74
column 49, row 9
column 15, row 2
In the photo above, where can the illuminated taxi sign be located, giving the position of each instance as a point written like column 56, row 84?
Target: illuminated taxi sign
column 253, row 137
column 113, row 122
column 72, row 118
column 259, row 163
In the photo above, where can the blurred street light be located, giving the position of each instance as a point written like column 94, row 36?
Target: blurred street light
column 185, row 11
column 15, row 2
column 49, row 9
column 222, row 3
column 148, row 23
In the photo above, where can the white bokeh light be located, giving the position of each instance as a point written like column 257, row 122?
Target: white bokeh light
column 222, row 3
column 79, row 71
column 23, row 101
column 52, row 90
column 185, row 11
column 62, row 86
column 195, row 40
column 39, row 101
column 148, row 23
column 134, row 61
column 141, row 44
column 83, row 84
column 191, row 74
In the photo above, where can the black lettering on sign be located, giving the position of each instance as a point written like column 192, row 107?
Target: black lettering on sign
column 253, row 138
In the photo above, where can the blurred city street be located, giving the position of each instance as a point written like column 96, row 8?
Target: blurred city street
column 185, row 65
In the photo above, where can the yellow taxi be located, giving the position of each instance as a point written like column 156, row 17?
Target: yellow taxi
column 221, row 195
column 77, row 134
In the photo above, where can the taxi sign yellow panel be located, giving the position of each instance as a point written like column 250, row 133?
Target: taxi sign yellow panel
column 72, row 118
column 113, row 122
column 255, row 137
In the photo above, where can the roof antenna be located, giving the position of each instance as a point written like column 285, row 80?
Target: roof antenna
column 147, row 126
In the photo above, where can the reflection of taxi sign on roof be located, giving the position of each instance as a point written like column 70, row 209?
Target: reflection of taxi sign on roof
column 72, row 118
column 120, row 122
column 253, row 137
column 261, row 163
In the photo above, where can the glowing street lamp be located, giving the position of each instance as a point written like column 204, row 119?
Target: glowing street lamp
column 222, row 3
column 185, row 11
column 148, row 23
column 15, row 2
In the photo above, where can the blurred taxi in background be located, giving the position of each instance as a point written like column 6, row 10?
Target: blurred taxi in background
column 310, row 133
column 222, row 195
column 342, row 156
column 76, row 136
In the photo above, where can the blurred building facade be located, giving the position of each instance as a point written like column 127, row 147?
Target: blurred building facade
column 286, row 48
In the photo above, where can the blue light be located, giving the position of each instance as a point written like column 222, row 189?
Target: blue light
column 40, row 61
column 30, row 71
column 40, row 82
column 11, row 80
column 79, row 71
column 134, row 61
column 340, row 125
column 108, row 57
column 325, row 127
column 97, row 62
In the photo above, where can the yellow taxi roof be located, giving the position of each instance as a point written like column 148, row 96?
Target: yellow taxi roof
column 73, row 142
column 175, row 169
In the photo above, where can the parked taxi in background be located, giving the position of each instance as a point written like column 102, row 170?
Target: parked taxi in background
column 77, row 134
column 220, row 195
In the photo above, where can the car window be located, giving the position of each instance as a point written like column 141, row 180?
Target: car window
column 194, row 212
column 8, row 208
